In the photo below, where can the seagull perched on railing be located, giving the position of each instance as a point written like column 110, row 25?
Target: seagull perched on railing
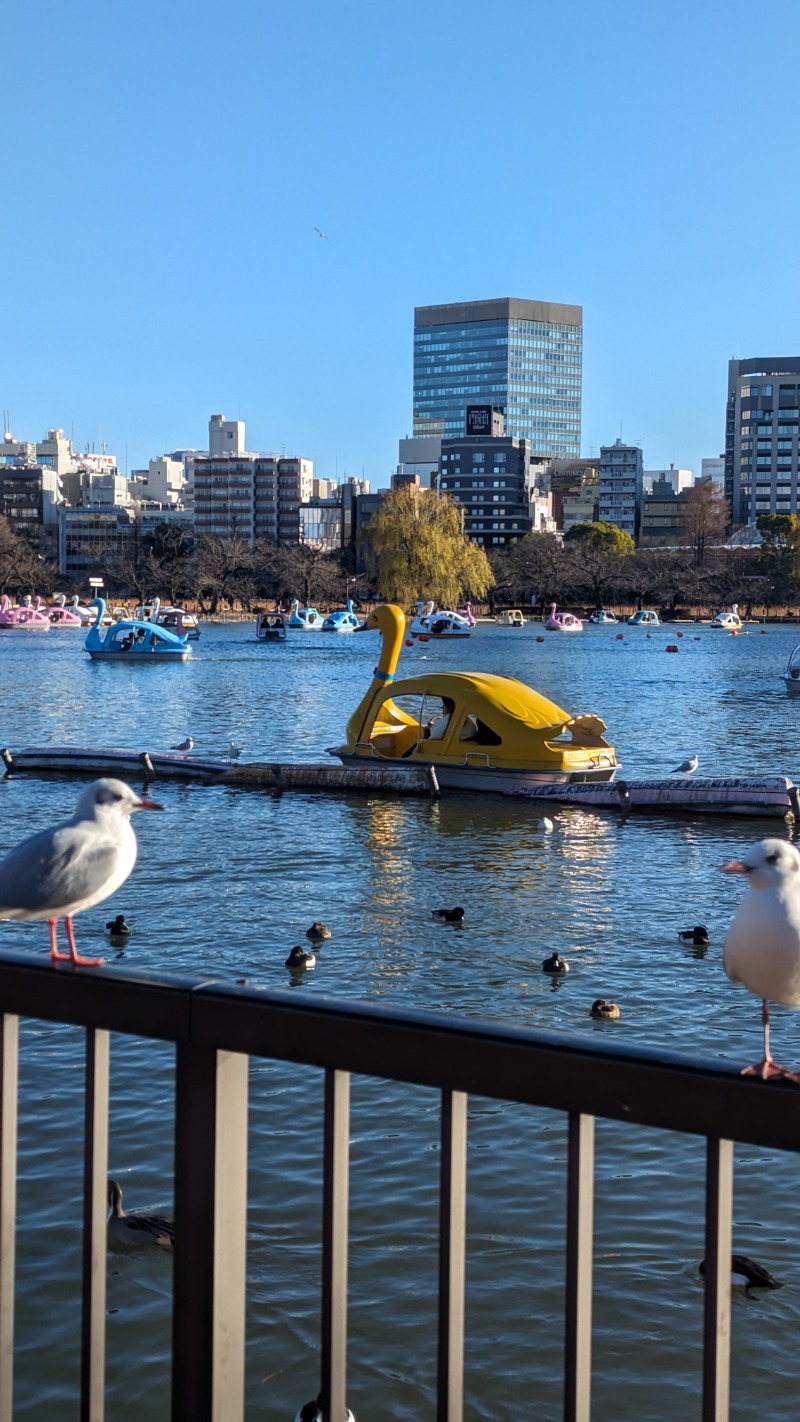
column 184, row 746
column 63, row 870
column 686, row 767
column 762, row 949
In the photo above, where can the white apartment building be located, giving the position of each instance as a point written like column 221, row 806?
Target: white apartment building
column 621, row 473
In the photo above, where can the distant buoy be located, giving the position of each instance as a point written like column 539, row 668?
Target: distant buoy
column 619, row 636
column 697, row 639
column 672, row 646
column 679, row 634
column 763, row 631
column 409, row 642
column 540, row 639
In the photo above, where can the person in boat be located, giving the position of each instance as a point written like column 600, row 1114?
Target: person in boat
column 126, row 643
column 436, row 728
column 469, row 730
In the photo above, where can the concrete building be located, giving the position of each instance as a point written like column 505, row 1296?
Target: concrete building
column 489, row 473
column 420, row 458
column 661, row 510
column 678, row 479
column 621, row 472
column 575, row 489
column 761, row 437
column 225, row 437
column 522, row 357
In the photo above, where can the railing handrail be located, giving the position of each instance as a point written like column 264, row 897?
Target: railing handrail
column 639, row 1085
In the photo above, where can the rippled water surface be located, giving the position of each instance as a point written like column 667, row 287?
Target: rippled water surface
column 228, row 880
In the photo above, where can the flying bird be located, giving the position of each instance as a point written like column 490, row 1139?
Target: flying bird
column 322, row 234
column 64, row 870
column 762, row 947
column 686, row 767
column 137, row 1228
column 184, row 746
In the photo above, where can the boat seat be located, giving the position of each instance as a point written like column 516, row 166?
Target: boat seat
column 395, row 743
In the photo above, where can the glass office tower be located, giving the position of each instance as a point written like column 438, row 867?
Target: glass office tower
column 524, row 357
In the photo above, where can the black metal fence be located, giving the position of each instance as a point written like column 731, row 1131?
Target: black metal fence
column 216, row 1026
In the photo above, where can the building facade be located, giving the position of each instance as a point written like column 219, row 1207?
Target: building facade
column 661, row 513
column 761, row 437
column 620, row 496
column 489, row 474
column 523, row 357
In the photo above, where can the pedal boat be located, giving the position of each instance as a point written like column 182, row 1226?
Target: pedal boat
column 309, row 620
column 501, row 736
column 728, row 619
column 129, row 640
column 342, row 620
column 271, row 627
column 645, row 617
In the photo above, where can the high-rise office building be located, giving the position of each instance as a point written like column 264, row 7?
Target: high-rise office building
column 761, row 437
column 523, row 357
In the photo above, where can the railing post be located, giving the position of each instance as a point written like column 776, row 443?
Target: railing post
column 580, row 1243
column 336, row 1194
column 9, row 1042
column 210, row 1235
column 717, row 1314
column 95, row 1212
column 452, row 1224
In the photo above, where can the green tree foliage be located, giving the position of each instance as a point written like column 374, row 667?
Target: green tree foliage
column 415, row 547
column 601, row 537
column 780, row 553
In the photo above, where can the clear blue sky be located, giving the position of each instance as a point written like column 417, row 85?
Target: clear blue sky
column 165, row 164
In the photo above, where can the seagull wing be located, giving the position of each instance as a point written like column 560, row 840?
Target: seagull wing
column 63, row 870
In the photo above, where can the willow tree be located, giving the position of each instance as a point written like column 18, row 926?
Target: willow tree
column 415, row 547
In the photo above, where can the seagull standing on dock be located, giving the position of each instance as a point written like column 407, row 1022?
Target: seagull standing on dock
column 184, row 746
column 686, row 767
column 233, row 752
column 63, row 870
column 762, row 948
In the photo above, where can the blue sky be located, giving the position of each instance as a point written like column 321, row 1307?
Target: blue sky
column 165, row 164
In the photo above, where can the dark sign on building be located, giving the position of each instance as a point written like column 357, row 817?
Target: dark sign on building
column 484, row 420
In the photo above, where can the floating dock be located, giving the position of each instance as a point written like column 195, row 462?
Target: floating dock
column 269, row 775
column 769, row 796
column 756, row 796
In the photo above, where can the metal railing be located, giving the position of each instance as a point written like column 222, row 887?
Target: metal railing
column 216, row 1026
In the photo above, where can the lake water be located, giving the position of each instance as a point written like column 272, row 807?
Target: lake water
column 228, row 880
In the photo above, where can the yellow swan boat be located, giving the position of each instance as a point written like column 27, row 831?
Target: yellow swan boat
column 479, row 731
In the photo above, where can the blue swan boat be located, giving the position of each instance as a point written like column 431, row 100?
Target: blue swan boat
column 309, row 619
column 135, row 641
column 342, row 620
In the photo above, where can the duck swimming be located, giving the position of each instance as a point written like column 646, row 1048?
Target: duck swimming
column 118, row 928
column 747, row 1272
column 137, row 1228
column 697, row 935
column 453, row 915
column 555, row 964
column 299, row 958
column 318, row 933
column 603, row 1009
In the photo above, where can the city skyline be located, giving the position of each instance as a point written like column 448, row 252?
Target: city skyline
column 159, row 249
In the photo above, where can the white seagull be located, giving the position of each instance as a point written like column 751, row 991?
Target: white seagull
column 63, row 870
column 686, row 767
column 762, row 948
column 184, row 746
column 322, row 234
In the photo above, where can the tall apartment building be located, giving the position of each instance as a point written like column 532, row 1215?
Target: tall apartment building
column 522, row 357
column 761, row 437
column 489, row 474
column 621, row 472
column 251, row 496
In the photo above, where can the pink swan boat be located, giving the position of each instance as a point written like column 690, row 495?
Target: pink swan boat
column 466, row 612
column 562, row 621
column 61, row 616
column 32, row 616
column 8, row 614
